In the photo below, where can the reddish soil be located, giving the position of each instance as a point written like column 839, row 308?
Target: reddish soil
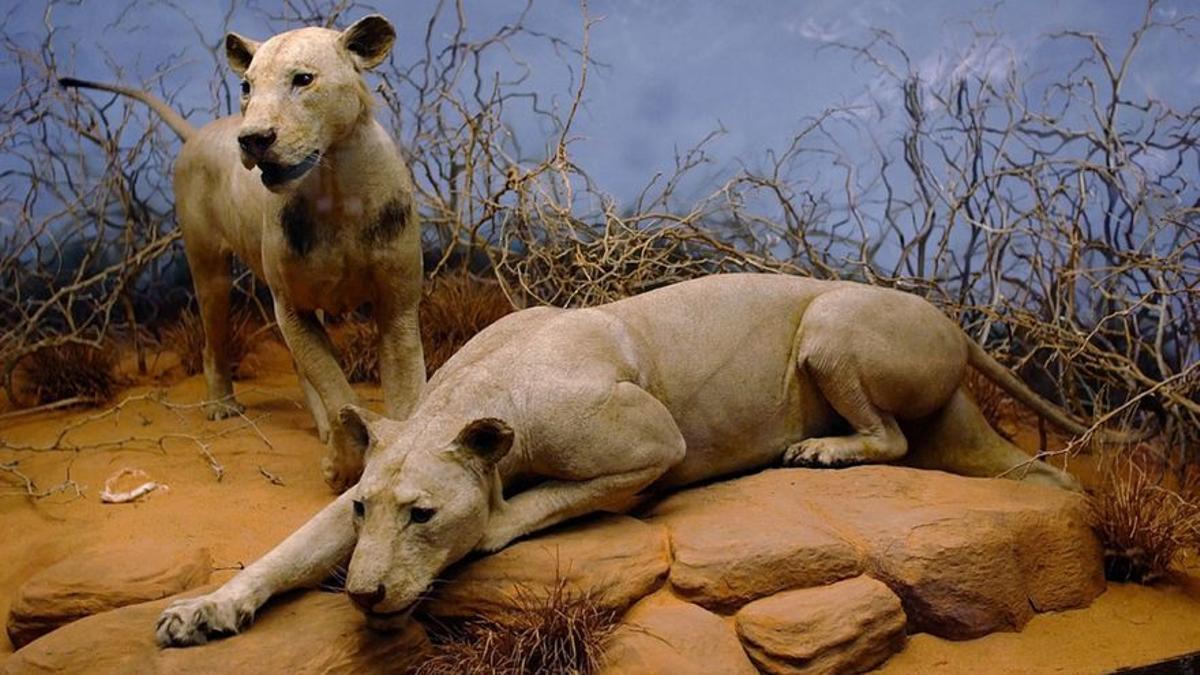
column 242, row 515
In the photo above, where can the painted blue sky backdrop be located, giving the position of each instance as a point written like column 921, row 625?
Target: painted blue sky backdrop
column 675, row 69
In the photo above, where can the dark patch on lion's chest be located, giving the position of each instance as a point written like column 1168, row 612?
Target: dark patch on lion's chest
column 388, row 224
column 299, row 226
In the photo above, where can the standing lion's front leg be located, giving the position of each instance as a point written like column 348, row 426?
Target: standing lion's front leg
column 401, row 357
column 317, row 361
column 305, row 558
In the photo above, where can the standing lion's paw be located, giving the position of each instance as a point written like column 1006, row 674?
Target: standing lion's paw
column 821, row 452
column 193, row 621
column 340, row 473
column 219, row 410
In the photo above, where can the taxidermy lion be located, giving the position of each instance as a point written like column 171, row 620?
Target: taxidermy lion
column 550, row 414
column 311, row 193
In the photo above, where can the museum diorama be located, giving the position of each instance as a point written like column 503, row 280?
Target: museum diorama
column 600, row 338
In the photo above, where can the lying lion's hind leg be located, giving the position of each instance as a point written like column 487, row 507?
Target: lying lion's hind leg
column 958, row 439
column 876, row 436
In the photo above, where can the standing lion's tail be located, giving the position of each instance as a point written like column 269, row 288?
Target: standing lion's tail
column 173, row 119
column 994, row 371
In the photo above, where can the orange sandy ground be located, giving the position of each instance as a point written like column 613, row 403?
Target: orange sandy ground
column 243, row 515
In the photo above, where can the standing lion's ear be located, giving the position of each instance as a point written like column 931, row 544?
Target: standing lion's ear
column 356, row 430
column 488, row 439
column 239, row 50
column 369, row 40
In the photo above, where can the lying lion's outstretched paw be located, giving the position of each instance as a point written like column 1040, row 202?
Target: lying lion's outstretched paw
column 193, row 621
column 820, row 452
column 340, row 472
column 219, row 410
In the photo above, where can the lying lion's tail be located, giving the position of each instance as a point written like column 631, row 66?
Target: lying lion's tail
column 994, row 371
column 173, row 119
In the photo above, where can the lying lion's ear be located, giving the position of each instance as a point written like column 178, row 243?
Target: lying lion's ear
column 489, row 439
column 239, row 50
column 369, row 40
column 354, row 430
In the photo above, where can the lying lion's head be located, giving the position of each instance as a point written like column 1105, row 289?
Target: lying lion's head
column 302, row 91
column 422, row 503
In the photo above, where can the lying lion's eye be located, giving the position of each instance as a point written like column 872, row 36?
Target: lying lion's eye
column 302, row 79
column 360, row 509
column 245, row 88
column 420, row 515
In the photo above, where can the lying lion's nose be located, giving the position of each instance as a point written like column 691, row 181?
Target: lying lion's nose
column 368, row 600
column 256, row 142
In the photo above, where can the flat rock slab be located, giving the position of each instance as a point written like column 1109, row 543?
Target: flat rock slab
column 966, row 556
column 851, row 626
column 96, row 581
column 662, row 634
column 616, row 560
column 310, row 632
column 727, row 553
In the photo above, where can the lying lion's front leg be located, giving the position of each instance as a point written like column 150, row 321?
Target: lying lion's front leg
column 617, row 449
column 553, row 502
column 303, row 559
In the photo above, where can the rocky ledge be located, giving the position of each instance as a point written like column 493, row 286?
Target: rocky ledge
column 785, row 571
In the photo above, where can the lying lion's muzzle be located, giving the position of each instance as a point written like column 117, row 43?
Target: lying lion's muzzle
column 388, row 621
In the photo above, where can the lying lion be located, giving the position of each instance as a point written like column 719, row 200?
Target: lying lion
column 589, row 407
column 311, row 193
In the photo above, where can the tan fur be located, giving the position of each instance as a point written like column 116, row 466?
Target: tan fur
column 342, row 234
column 590, row 407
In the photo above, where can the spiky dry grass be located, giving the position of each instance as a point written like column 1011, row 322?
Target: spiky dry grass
column 555, row 631
column 455, row 307
column 1143, row 525
column 185, row 337
column 67, row 371
column 358, row 350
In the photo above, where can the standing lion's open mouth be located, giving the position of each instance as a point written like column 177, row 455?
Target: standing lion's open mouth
column 274, row 175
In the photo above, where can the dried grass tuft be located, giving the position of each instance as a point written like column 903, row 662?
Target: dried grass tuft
column 186, row 338
column 1143, row 525
column 358, row 350
column 455, row 308
column 69, row 371
column 557, row 631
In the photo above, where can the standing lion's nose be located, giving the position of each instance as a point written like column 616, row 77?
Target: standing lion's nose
column 255, row 143
column 368, row 600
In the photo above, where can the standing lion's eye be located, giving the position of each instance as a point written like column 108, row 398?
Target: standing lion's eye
column 302, row 79
column 420, row 515
column 245, row 88
column 360, row 509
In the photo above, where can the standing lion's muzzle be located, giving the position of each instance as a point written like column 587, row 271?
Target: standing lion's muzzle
column 256, row 142
column 275, row 174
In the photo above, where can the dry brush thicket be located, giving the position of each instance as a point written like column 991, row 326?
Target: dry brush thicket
column 1054, row 214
